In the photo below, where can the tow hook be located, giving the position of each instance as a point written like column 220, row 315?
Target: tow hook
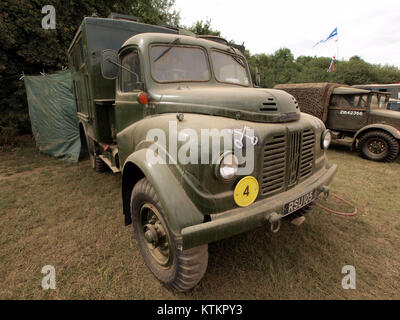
column 325, row 190
column 275, row 220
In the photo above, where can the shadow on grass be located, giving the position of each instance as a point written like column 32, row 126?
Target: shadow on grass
column 264, row 265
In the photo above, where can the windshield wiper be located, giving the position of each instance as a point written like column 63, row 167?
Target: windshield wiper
column 166, row 50
column 238, row 60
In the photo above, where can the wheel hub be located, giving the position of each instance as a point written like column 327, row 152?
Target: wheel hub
column 376, row 146
column 150, row 234
column 155, row 235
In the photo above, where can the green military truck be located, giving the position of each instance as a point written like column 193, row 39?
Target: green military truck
column 360, row 114
column 146, row 95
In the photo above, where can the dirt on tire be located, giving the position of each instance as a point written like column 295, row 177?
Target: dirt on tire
column 187, row 267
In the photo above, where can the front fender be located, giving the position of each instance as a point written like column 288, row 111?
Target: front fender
column 385, row 127
column 180, row 212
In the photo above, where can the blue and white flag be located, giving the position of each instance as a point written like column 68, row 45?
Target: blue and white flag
column 331, row 36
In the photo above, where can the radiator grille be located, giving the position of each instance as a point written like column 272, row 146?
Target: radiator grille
column 274, row 166
column 307, row 154
column 290, row 156
column 294, row 157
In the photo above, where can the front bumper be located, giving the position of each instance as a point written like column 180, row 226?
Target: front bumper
column 235, row 221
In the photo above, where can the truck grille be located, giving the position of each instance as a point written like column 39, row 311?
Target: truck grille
column 274, row 166
column 290, row 156
column 294, row 157
column 307, row 154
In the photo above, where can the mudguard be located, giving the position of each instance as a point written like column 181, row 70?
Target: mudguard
column 385, row 127
column 179, row 209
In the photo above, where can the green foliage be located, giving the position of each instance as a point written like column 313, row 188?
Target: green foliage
column 27, row 47
column 204, row 28
column 281, row 67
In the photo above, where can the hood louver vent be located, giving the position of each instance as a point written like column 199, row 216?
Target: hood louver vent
column 269, row 106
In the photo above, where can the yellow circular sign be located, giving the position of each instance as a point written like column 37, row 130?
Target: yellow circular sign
column 246, row 191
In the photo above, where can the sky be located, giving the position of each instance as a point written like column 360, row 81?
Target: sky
column 369, row 29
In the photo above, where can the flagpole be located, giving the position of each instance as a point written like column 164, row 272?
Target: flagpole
column 337, row 35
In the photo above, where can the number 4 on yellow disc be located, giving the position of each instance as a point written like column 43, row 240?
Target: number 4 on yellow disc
column 246, row 191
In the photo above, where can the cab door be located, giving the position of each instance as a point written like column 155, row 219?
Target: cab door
column 129, row 84
column 348, row 112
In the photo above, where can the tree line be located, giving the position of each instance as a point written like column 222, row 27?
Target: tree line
column 282, row 67
column 27, row 47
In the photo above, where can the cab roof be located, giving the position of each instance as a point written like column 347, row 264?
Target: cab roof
column 146, row 39
column 353, row 90
column 349, row 90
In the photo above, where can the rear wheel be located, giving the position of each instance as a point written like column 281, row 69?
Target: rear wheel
column 84, row 145
column 176, row 269
column 97, row 164
column 95, row 161
column 378, row 146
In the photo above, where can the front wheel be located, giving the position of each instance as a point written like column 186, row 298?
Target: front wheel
column 176, row 269
column 378, row 146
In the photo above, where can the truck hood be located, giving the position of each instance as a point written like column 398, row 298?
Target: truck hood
column 395, row 115
column 251, row 104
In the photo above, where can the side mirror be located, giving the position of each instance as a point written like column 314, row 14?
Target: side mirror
column 109, row 64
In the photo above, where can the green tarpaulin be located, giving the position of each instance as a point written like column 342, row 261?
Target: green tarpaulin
column 53, row 114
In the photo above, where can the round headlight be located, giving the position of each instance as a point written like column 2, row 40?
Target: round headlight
column 326, row 139
column 228, row 167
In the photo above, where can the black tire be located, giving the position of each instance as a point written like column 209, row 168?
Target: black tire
column 378, row 146
column 95, row 161
column 97, row 164
column 176, row 269
column 84, row 153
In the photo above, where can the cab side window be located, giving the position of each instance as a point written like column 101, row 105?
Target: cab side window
column 130, row 73
column 363, row 101
column 344, row 101
column 349, row 101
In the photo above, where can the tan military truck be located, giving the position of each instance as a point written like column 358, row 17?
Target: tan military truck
column 360, row 114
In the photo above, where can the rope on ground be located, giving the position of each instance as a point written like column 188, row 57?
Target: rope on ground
column 338, row 212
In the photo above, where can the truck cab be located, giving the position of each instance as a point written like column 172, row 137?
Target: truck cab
column 203, row 154
column 364, row 116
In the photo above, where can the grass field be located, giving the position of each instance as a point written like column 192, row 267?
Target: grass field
column 68, row 216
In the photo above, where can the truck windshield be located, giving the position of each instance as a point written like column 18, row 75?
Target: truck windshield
column 172, row 63
column 229, row 68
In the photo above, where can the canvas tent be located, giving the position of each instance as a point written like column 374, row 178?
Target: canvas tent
column 52, row 111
